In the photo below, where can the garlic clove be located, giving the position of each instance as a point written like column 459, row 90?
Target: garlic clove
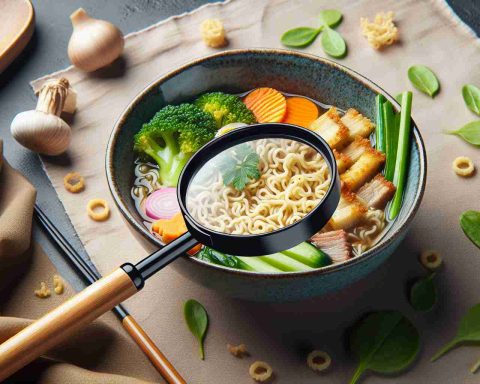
column 94, row 43
column 70, row 101
column 41, row 132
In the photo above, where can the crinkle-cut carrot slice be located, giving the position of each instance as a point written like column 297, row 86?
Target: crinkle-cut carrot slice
column 300, row 111
column 267, row 104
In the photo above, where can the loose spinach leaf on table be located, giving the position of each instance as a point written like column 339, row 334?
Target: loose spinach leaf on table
column 468, row 331
column 300, row 37
column 469, row 132
column 423, row 293
column 383, row 342
column 197, row 321
column 333, row 43
column 470, row 223
column 424, row 79
column 471, row 96
column 330, row 17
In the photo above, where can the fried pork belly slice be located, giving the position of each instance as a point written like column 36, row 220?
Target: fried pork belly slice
column 350, row 212
column 343, row 161
column 357, row 124
column 356, row 148
column 363, row 170
column 377, row 193
column 331, row 128
column 335, row 244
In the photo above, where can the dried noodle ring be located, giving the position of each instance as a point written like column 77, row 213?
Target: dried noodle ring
column 463, row 166
column 431, row 259
column 260, row 371
column 318, row 360
column 74, row 182
column 98, row 215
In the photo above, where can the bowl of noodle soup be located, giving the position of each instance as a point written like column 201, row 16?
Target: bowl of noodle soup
column 292, row 178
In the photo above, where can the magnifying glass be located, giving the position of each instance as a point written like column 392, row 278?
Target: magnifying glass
column 254, row 191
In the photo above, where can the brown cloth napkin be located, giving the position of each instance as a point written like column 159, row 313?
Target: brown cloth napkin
column 23, row 265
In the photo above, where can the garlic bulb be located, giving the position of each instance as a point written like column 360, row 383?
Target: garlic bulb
column 94, row 43
column 42, row 130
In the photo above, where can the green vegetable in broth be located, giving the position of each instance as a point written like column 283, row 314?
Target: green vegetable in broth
column 469, row 132
column 333, row 43
column 468, row 331
column 470, row 223
column 240, row 173
column 423, row 293
column 330, row 17
column 385, row 342
column 300, row 37
column 308, row 254
column 392, row 123
column 285, row 263
column 424, row 79
column 380, row 129
column 403, row 150
column 197, row 321
column 471, row 96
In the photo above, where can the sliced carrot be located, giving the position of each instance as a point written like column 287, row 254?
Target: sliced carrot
column 300, row 111
column 170, row 229
column 267, row 104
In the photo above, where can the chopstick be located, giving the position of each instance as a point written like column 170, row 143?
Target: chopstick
column 90, row 275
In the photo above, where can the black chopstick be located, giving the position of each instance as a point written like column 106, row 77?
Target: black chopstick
column 90, row 275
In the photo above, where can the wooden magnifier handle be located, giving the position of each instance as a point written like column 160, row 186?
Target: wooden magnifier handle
column 60, row 323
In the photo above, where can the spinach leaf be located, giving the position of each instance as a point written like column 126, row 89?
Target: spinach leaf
column 469, row 132
column 468, row 330
column 424, row 79
column 330, row 17
column 471, row 96
column 197, row 321
column 333, row 43
column 300, row 37
column 384, row 342
column 423, row 293
column 470, row 223
column 216, row 257
column 244, row 169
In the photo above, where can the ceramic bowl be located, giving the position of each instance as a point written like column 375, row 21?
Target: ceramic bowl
column 238, row 71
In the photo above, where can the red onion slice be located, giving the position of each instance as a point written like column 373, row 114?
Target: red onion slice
column 162, row 204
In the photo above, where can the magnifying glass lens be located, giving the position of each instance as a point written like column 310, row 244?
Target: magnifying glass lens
column 258, row 186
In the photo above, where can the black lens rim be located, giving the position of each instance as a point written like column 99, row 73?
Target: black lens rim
column 275, row 241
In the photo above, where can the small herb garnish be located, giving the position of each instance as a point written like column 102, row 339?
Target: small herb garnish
column 424, row 79
column 423, row 293
column 197, row 321
column 469, row 132
column 471, row 96
column 470, row 223
column 332, row 42
column 384, row 342
column 468, row 331
column 241, row 167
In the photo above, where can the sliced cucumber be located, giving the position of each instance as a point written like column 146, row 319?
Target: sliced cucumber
column 285, row 263
column 308, row 254
column 257, row 265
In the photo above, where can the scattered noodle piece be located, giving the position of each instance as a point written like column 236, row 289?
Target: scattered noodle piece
column 381, row 32
column 98, row 215
column 213, row 33
column 43, row 292
column 260, row 371
column 58, row 285
column 74, row 182
column 431, row 259
column 318, row 361
column 463, row 166
column 238, row 350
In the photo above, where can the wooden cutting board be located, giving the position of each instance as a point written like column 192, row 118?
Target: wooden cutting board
column 17, row 22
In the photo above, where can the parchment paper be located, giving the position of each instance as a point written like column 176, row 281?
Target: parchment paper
column 283, row 334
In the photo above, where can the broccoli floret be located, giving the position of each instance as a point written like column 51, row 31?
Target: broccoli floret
column 172, row 136
column 225, row 108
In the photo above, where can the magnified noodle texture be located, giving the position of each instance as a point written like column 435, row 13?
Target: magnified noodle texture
column 293, row 180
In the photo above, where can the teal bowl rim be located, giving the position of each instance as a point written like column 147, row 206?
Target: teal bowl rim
column 377, row 249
